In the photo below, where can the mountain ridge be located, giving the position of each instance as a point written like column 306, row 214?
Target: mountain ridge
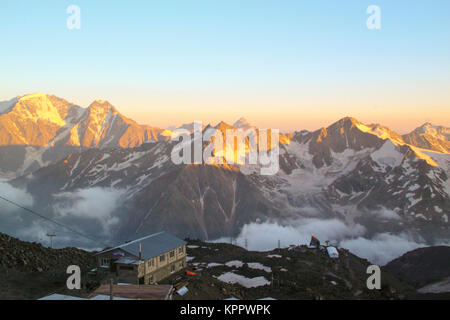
column 347, row 171
column 41, row 129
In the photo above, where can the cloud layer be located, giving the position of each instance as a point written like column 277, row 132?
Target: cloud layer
column 94, row 203
column 379, row 249
column 265, row 236
column 14, row 194
column 90, row 211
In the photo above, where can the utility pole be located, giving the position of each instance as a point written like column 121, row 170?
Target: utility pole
column 279, row 244
column 51, row 235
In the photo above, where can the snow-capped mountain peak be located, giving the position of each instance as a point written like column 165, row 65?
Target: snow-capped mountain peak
column 439, row 132
column 38, row 107
column 243, row 124
column 429, row 136
column 45, row 128
column 101, row 107
column 347, row 170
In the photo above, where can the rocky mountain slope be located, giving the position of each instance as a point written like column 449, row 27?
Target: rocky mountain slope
column 31, row 271
column 226, row 271
column 430, row 137
column 33, row 257
column 422, row 266
column 40, row 129
column 344, row 171
column 364, row 175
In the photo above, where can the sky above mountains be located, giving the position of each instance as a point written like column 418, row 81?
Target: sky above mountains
column 289, row 64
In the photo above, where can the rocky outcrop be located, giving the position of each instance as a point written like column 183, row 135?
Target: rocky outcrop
column 33, row 257
column 422, row 266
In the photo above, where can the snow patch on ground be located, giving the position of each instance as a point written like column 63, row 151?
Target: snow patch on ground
column 214, row 264
column 438, row 287
column 259, row 266
column 233, row 278
column 234, row 264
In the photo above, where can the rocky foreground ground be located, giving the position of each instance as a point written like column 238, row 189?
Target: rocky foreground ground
column 224, row 271
column 227, row 271
column 31, row 271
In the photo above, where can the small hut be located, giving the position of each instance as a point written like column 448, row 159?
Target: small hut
column 332, row 252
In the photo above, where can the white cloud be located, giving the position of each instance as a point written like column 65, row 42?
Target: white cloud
column 17, row 195
column 381, row 248
column 265, row 236
column 95, row 203
column 386, row 214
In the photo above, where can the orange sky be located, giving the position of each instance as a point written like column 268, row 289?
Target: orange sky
column 288, row 110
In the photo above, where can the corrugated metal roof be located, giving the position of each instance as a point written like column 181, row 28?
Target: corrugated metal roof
column 152, row 245
column 127, row 261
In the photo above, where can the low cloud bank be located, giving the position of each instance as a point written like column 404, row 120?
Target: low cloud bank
column 17, row 222
column 93, row 203
column 90, row 211
column 265, row 236
column 16, row 195
column 379, row 249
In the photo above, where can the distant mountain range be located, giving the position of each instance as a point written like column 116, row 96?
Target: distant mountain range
column 361, row 174
column 39, row 129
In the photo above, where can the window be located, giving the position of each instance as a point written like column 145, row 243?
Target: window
column 181, row 250
column 150, row 263
column 105, row 262
column 162, row 258
column 172, row 254
column 181, row 264
column 172, row 268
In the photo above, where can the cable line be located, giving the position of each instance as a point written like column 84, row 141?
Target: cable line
column 48, row 219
